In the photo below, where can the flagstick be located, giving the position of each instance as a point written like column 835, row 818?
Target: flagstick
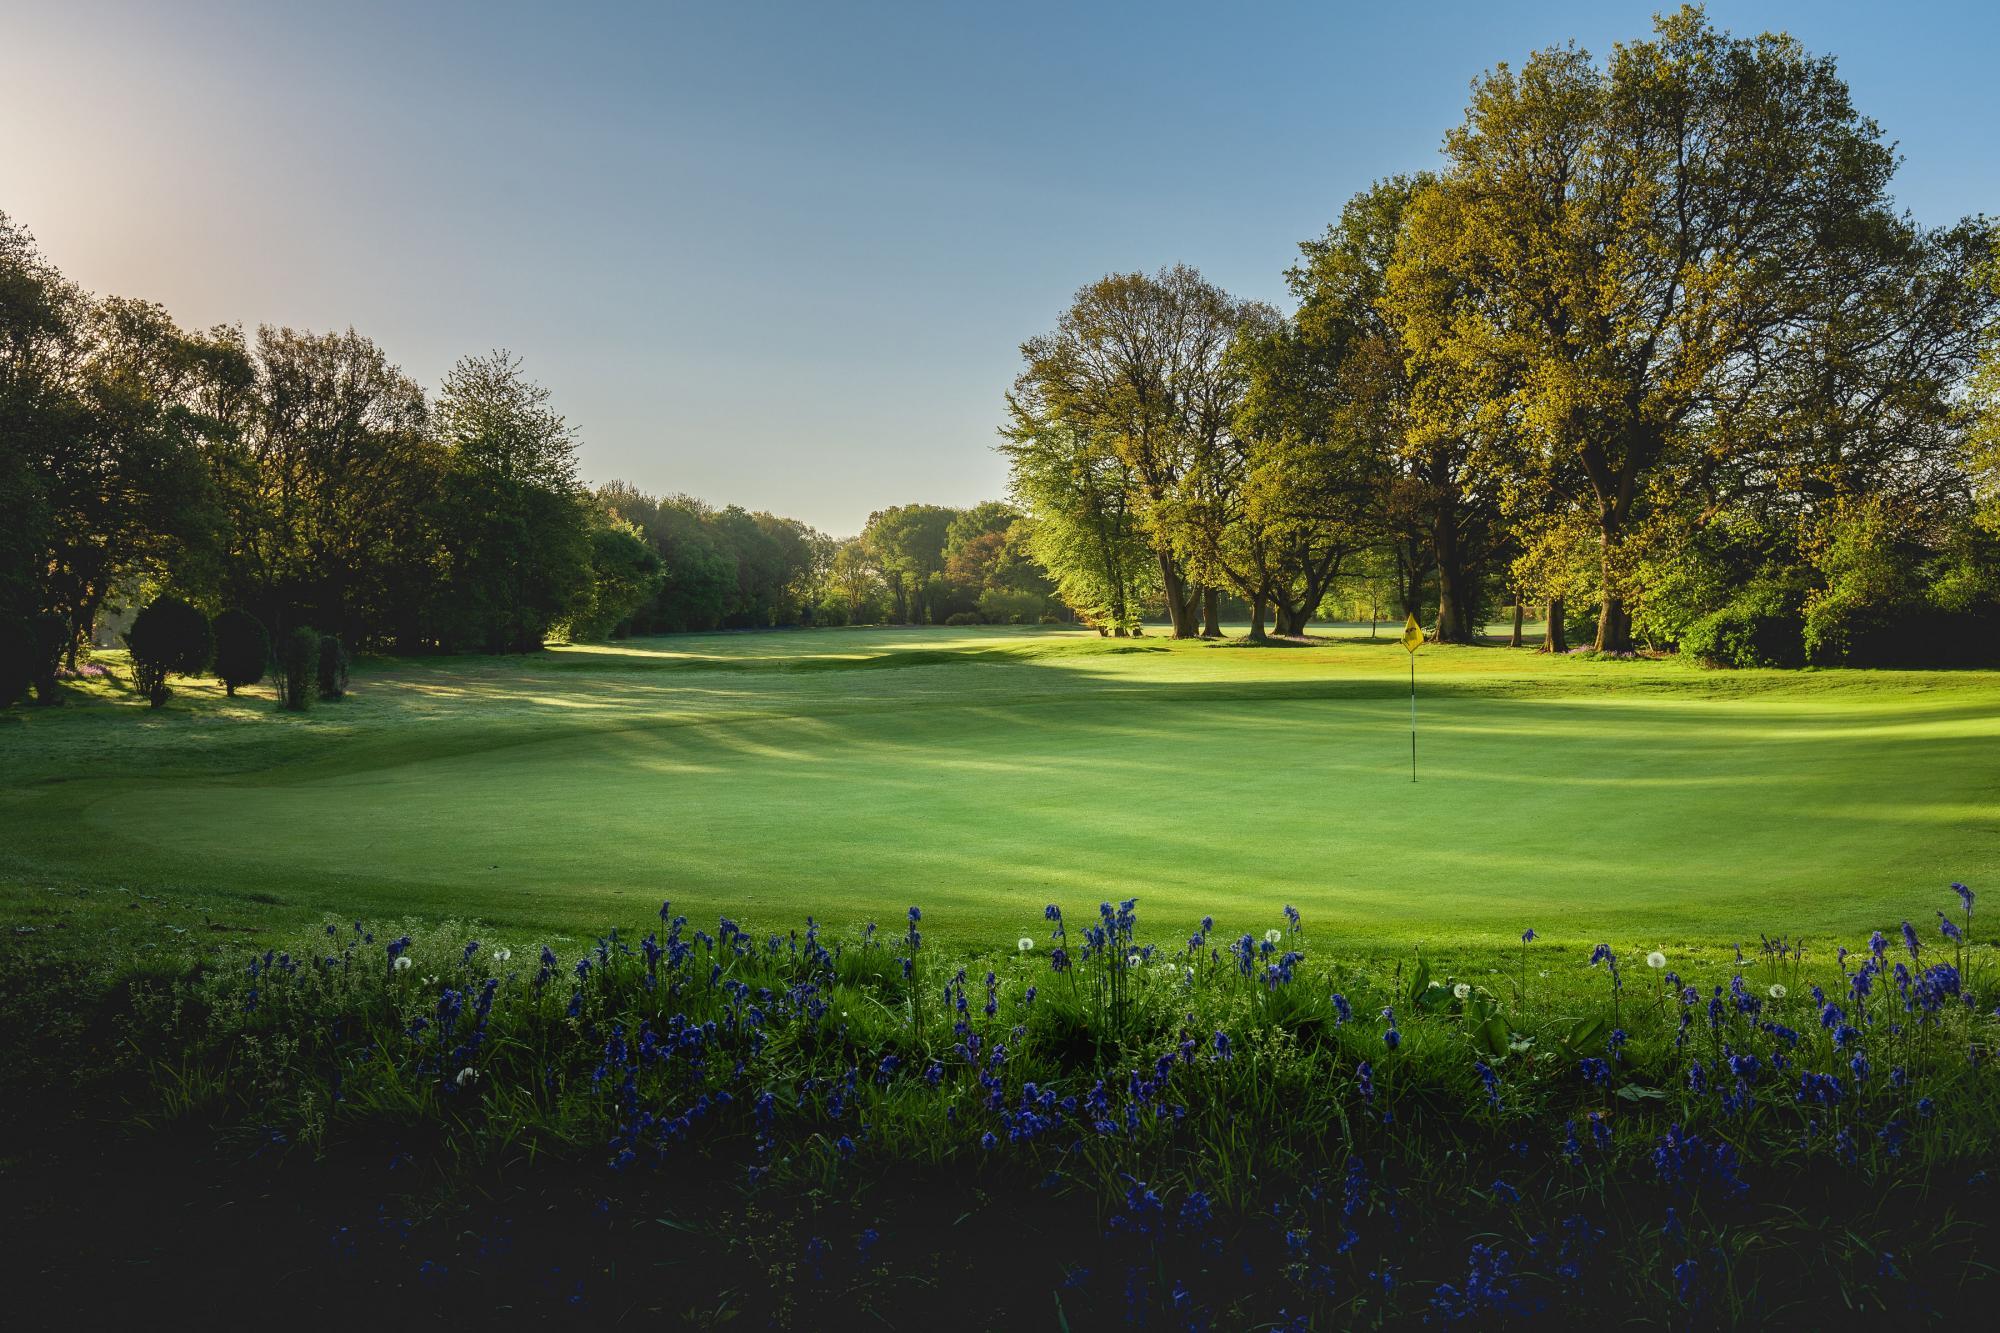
column 1413, row 717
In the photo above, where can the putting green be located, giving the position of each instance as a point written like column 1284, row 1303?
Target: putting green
column 981, row 773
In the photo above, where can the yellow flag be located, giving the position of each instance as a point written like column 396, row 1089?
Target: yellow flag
column 1413, row 633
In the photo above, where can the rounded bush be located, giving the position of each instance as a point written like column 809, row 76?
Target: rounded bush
column 168, row 637
column 965, row 618
column 298, row 669
column 1762, row 626
column 333, row 662
column 242, row 649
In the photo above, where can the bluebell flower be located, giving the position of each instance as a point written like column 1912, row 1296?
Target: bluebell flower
column 1964, row 896
column 1686, row 1274
column 1490, row 1080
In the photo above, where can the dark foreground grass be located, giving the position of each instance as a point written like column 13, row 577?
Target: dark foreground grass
column 1104, row 1127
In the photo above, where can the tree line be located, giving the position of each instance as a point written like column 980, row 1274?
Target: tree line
column 303, row 481
column 301, row 477
column 1653, row 350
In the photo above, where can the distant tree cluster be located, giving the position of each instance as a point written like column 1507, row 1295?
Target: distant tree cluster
column 715, row 568
column 1654, row 350
column 929, row 564
column 298, row 477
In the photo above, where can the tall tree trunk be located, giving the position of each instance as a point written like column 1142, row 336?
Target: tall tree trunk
column 1614, row 621
column 1514, row 639
column 1210, row 629
column 1554, row 638
column 1614, row 626
column 1451, row 618
column 1257, row 621
column 1179, row 609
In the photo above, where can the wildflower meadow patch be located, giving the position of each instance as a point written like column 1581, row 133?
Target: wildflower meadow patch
column 1087, row 1127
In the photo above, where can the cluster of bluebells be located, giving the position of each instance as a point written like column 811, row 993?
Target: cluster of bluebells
column 776, row 1052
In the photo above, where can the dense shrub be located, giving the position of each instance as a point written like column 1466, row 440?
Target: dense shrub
column 242, row 649
column 333, row 662
column 17, row 659
column 1762, row 626
column 168, row 637
column 965, row 618
column 298, row 669
column 1004, row 606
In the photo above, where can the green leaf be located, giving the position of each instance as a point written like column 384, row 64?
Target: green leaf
column 1586, row 1035
column 1632, row 1092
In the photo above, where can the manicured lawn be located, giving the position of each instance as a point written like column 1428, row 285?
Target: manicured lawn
column 983, row 772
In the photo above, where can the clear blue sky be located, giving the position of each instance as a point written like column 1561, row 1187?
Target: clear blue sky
column 784, row 255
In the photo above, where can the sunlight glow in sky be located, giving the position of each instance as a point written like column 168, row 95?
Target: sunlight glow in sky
column 783, row 255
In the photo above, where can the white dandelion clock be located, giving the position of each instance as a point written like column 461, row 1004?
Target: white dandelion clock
column 1462, row 991
column 502, row 955
column 1025, row 944
column 1778, row 992
column 1272, row 936
column 1656, row 960
column 404, row 964
column 467, row 1077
